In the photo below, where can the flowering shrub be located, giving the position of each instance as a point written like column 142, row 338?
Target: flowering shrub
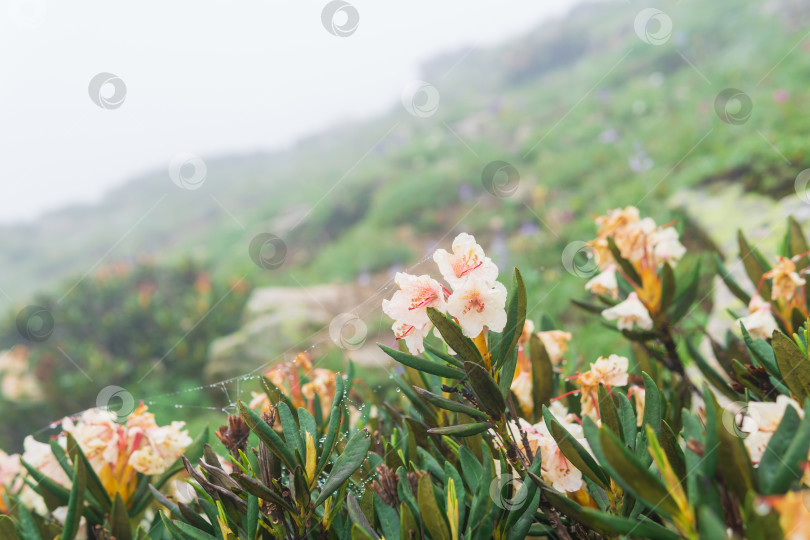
column 502, row 432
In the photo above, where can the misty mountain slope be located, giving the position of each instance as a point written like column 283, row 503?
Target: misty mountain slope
column 589, row 114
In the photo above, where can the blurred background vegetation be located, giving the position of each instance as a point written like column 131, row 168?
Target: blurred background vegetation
column 154, row 282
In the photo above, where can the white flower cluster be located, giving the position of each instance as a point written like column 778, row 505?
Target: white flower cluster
column 475, row 299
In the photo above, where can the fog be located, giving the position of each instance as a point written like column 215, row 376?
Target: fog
column 207, row 78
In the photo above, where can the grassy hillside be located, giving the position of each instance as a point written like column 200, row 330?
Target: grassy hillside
column 570, row 106
column 589, row 115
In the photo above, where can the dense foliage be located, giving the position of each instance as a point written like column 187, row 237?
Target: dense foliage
column 498, row 434
column 110, row 328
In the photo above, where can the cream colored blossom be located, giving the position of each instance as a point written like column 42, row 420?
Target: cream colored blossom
column 414, row 336
column 17, row 381
column 321, row 383
column 40, row 456
column 523, row 388
column 759, row 420
column 416, row 293
column 666, row 245
column 635, row 240
column 467, row 259
column 759, row 322
column 610, row 371
column 604, row 283
column 259, row 401
column 555, row 467
column 556, row 344
column 97, row 433
column 629, row 313
column 785, row 279
column 477, row 304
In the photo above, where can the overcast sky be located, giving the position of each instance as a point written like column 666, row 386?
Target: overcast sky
column 204, row 77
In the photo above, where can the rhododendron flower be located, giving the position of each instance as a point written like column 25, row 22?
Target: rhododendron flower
column 640, row 241
column 759, row 322
column 40, row 456
column 666, row 245
column 523, row 389
column 286, row 376
column 785, row 279
column 604, row 283
column 760, row 419
column 478, row 303
column 556, row 344
column 116, row 451
column 414, row 336
column 555, row 468
column 610, row 371
column 416, row 294
column 628, row 313
column 467, row 260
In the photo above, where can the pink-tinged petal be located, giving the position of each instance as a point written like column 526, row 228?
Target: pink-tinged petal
column 478, row 304
column 467, row 259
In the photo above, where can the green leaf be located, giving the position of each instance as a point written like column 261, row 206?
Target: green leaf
column 607, row 411
column 574, row 451
column 542, row 375
column 462, row 430
column 432, row 516
column 787, row 449
column 652, row 405
column 608, row 524
column 454, row 337
column 441, row 355
column 711, row 527
column 358, row 517
column 267, row 435
column 761, row 351
column 732, row 457
column 793, row 364
column 667, row 286
column 507, row 373
column 28, row 526
column 252, row 517
column 183, row 531
column 634, row 476
column 524, row 522
column 407, row 523
column 422, row 364
column 684, row 301
column 254, row 487
column 354, row 454
column 47, row 487
column 331, row 437
column 754, row 265
column 449, row 404
column 470, row 468
column 76, row 501
column 292, row 435
column 515, row 319
column 798, row 243
column 673, row 451
column 275, row 394
column 119, row 520
column 8, row 530
column 732, row 285
column 485, row 389
column 626, row 266
column 94, row 484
